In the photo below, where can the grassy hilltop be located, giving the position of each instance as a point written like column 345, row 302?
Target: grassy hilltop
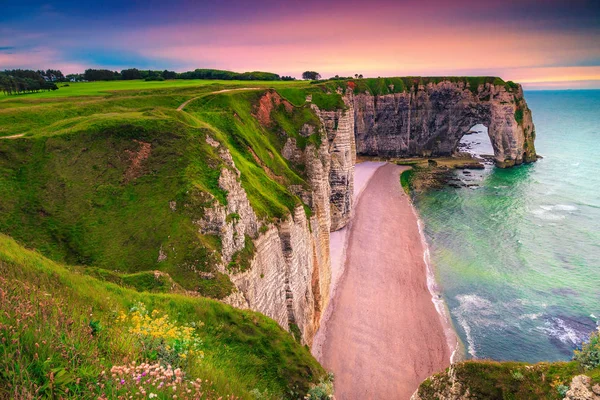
column 71, row 189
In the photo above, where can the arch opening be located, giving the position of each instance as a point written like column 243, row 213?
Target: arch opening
column 477, row 142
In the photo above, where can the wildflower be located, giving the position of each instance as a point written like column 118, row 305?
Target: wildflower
column 152, row 395
column 122, row 381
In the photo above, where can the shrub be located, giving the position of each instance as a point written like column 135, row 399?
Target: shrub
column 162, row 338
column 322, row 391
column 562, row 390
column 517, row 375
column 589, row 355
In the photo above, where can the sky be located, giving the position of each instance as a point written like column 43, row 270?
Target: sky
column 543, row 44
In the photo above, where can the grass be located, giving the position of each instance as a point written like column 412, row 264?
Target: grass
column 68, row 189
column 64, row 329
column 103, row 88
column 405, row 178
column 256, row 149
column 69, row 196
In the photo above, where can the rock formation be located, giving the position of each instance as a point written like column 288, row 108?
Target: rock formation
column 431, row 119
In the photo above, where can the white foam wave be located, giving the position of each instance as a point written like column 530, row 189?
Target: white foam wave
column 559, row 329
column 436, row 298
column 547, row 215
column 532, row 316
column 565, row 207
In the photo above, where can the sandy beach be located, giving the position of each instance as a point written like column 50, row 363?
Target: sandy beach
column 381, row 335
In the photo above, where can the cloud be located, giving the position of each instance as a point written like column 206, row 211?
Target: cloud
column 510, row 38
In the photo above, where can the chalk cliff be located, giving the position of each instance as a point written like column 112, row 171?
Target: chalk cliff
column 429, row 120
column 289, row 274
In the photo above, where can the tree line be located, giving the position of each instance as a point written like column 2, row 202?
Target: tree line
column 25, row 81
column 19, row 81
column 150, row 75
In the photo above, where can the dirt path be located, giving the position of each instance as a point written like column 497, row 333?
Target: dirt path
column 384, row 336
column 185, row 103
column 13, row 136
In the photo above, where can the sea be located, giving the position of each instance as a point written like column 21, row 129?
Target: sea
column 516, row 252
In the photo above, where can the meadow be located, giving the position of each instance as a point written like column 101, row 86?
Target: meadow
column 103, row 88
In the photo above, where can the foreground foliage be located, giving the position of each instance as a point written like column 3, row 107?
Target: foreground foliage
column 67, row 335
column 484, row 379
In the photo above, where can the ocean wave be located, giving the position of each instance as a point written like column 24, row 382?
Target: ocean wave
column 532, row 316
column 567, row 333
column 547, row 215
column 559, row 207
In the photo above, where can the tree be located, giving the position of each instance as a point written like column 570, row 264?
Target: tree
column 311, row 75
column 360, row 76
column 131, row 73
column 26, row 81
column 169, row 74
column 100, row 75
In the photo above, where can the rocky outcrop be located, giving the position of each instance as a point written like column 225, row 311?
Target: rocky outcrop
column 339, row 126
column 581, row 388
column 218, row 220
column 496, row 380
column 429, row 120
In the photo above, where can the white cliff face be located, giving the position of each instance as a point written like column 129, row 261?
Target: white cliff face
column 242, row 219
column 289, row 275
column 430, row 121
column 339, row 126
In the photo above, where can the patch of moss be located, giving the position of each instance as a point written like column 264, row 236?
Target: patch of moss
column 240, row 261
column 519, row 115
column 232, row 217
column 295, row 331
column 405, row 178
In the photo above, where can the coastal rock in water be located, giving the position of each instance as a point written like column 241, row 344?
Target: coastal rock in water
column 430, row 121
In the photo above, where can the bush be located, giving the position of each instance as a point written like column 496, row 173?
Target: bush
column 322, row 391
column 589, row 355
column 562, row 390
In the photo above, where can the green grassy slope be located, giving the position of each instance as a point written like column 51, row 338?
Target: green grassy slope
column 60, row 329
column 70, row 188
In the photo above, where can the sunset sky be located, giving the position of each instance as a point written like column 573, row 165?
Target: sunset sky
column 542, row 44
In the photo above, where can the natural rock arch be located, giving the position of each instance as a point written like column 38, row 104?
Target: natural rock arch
column 431, row 119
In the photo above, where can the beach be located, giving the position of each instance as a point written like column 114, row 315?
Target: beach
column 381, row 335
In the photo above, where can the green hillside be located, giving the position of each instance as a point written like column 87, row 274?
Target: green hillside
column 62, row 333
column 72, row 187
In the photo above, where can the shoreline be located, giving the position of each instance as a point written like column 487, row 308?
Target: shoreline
column 374, row 345
column 453, row 341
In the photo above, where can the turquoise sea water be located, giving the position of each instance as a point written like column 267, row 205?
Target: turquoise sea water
column 517, row 257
